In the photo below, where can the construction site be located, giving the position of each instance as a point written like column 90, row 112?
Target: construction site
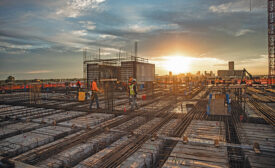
column 190, row 121
column 194, row 120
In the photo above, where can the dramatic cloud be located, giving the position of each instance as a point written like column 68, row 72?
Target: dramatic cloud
column 51, row 35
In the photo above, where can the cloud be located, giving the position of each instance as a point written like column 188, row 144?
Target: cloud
column 73, row 40
column 237, row 6
column 16, row 46
column 220, row 8
column 254, row 61
column 12, row 51
column 112, row 49
column 141, row 28
column 38, row 72
column 235, row 31
column 243, row 32
column 75, row 8
column 107, row 36
column 79, row 32
column 161, row 29
column 88, row 25
column 256, row 65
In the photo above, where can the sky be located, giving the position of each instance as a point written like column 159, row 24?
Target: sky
column 46, row 38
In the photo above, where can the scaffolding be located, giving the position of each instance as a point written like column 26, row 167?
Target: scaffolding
column 108, row 68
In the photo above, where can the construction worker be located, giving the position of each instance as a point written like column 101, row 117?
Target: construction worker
column 67, row 84
column 130, row 81
column 133, row 94
column 78, row 85
column 94, row 96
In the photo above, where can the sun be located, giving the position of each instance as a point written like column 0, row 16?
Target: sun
column 177, row 64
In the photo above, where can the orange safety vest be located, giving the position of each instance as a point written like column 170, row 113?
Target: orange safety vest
column 94, row 86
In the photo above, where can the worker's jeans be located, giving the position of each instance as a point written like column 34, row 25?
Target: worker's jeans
column 133, row 99
column 67, row 90
column 77, row 92
column 94, row 97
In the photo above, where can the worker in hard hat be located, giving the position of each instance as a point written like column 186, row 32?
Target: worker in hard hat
column 130, row 81
column 94, row 96
column 78, row 86
column 133, row 94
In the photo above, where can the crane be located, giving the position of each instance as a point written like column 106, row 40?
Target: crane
column 271, row 39
column 250, row 77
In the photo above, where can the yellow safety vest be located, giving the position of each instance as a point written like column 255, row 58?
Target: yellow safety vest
column 131, row 87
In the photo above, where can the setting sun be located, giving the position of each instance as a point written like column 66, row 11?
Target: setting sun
column 177, row 64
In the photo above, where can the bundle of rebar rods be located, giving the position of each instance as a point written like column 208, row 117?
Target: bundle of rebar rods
column 264, row 111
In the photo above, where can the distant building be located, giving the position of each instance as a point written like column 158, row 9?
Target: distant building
column 170, row 73
column 231, row 73
column 231, row 65
column 209, row 75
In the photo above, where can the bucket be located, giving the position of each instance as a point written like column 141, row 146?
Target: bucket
column 143, row 97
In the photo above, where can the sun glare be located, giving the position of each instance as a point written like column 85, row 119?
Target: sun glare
column 177, row 64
